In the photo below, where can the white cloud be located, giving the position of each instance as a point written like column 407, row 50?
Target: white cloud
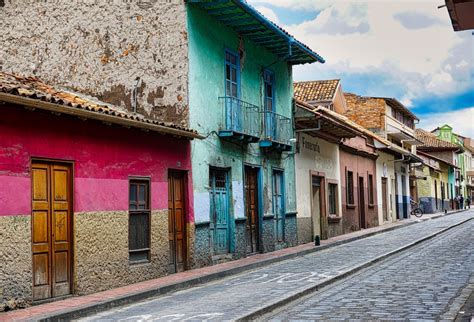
column 268, row 13
column 461, row 120
column 424, row 57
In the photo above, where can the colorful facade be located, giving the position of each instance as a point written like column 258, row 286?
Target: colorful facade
column 240, row 95
column 87, row 206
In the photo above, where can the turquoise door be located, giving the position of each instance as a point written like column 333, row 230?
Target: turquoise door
column 219, row 193
column 279, row 205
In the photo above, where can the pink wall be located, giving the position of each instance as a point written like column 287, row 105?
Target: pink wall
column 104, row 157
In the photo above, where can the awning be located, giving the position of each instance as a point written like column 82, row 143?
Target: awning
column 248, row 22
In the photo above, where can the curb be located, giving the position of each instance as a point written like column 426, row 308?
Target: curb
column 285, row 301
column 83, row 311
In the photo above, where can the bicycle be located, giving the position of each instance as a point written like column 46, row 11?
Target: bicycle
column 415, row 209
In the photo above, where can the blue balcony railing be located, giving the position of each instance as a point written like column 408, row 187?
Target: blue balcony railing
column 240, row 119
column 277, row 130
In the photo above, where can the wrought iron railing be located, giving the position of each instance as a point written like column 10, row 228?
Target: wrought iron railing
column 277, row 128
column 240, row 116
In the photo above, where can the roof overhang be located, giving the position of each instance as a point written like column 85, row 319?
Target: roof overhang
column 248, row 22
column 461, row 13
column 324, row 126
column 89, row 114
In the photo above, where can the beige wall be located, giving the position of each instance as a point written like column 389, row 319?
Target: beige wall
column 100, row 48
column 385, row 161
column 314, row 155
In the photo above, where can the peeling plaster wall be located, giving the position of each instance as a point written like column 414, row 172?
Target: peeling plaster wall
column 100, row 48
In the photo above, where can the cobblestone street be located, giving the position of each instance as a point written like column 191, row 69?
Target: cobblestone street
column 417, row 283
column 420, row 283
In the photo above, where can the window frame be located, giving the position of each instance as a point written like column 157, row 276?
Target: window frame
column 267, row 73
column 370, row 190
column 350, row 198
column 237, row 68
column 334, row 183
column 131, row 212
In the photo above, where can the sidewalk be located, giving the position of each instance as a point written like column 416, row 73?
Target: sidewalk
column 82, row 305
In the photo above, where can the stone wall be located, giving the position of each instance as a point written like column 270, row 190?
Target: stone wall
column 103, row 48
column 366, row 111
column 15, row 261
column 101, row 259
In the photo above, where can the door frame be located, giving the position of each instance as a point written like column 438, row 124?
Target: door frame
column 71, row 227
column 185, row 174
column 283, row 198
column 384, row 183
column 322, row 201
column 230, row 218
column 260, row 199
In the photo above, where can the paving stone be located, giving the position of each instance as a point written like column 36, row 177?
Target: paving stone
column 242, row 294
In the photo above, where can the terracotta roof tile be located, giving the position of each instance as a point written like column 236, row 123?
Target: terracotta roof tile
column 430, row 140
column 314, row 91
column 34, row 88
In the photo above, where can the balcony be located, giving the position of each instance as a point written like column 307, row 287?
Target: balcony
column 277, row 131
column 240, row 120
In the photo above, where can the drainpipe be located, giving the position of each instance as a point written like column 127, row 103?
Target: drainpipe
column 135, row 94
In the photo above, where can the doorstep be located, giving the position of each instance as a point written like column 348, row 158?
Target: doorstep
column 80, row 306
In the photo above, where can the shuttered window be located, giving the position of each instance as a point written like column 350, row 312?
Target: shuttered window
column 371, row 189
column 139, row 220
column 350, row 188
column 332, row 198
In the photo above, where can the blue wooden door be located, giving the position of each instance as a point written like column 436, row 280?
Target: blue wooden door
column 279, row 204
column 219, row 194
column 233, row 107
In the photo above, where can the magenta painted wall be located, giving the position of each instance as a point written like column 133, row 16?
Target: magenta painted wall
column 104, row 157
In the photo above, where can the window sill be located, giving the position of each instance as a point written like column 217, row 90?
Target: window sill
column 140, row 262
column 351, row 206
column 334, row 219
column 371, row 205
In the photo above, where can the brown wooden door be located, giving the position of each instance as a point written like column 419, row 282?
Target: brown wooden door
column 384, row 199
column 362, row 223
column 251, row 209
column 176, row 222
column 51, row 229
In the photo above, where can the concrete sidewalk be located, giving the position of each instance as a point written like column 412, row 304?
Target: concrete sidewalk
column 80, row 306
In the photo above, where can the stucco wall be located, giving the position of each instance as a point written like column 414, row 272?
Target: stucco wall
column 104, row 157
column 385, row 161
column 208, row 40
column 361, row 167
column 100, row 48
column 318, row 155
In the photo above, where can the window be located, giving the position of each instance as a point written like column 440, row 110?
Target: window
column 332, row 196
column 139, row 220
column 269, row 83
column 350, row 188
column 371, row 189
column 232, row 75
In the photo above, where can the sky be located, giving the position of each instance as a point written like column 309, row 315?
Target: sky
column 404, row 49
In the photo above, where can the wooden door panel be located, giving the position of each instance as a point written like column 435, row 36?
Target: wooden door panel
column 251, row 193
column 176, row 222
column 51, row 230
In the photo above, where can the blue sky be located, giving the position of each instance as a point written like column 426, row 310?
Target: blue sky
column 403, row 49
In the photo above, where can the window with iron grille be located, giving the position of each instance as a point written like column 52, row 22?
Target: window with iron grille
column 350, row 188
column 139, row 220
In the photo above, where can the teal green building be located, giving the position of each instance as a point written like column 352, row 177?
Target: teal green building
column 240, row 100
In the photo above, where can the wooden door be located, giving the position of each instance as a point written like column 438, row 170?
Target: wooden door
column 362, row 223
column 51, row 229
column 319, row 219
column 176, row 222
column 384, row 199
column 219, row 194
column 251, row 209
